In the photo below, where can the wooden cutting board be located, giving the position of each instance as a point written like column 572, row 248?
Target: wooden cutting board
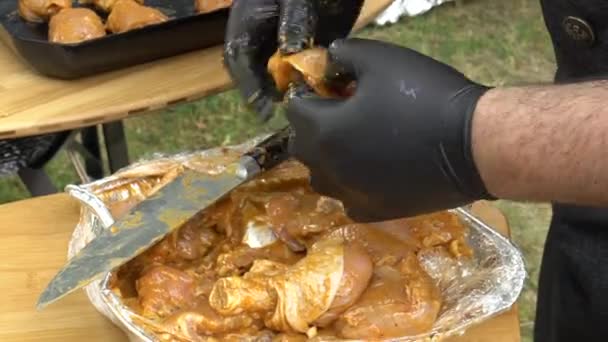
column 32, row 104
column 34, row 237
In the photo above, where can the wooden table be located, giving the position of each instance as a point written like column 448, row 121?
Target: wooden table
column 34, row 237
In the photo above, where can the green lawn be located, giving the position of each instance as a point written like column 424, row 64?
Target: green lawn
column 496, row 42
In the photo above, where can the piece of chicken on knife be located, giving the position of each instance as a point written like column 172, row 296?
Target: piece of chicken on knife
column 75, row 25
column 128, row 15
column 38, row 11
column 104, row 5
column 206, row 6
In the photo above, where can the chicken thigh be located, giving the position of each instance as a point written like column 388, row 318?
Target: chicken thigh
column 38, row 11
column 128, row 15
column 75, row 25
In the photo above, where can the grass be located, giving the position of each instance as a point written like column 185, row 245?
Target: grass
column 494, row 42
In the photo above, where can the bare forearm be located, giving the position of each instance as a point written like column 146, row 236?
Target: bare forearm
column 544, row 143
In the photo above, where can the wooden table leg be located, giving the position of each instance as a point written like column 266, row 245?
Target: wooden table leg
column 116, row 145
column 90, row 141
column 37, row 182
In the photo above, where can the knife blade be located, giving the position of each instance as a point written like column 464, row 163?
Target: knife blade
column 161, row 213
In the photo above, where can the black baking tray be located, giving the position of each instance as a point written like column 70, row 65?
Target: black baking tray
column 185, row 31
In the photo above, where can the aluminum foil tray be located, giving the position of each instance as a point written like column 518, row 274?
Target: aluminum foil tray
column 473, row 291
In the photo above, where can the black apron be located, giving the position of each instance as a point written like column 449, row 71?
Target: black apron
column 573, row 289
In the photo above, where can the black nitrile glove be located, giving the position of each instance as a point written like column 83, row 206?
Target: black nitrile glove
column 401, row 145
column 256, row 28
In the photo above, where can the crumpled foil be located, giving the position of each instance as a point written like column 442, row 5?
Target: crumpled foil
column 473, row 291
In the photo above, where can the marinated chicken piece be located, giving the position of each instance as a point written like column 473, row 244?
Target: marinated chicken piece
column 75, row 25
column 250, row 293
column 128, row 15
column 308, row 66
column 202, row 320
column 206, row 6
column 250, row 202
column 295, row 216
column 399, row 229
column 313, row 291
column 244, row 209
column 182, row 249
column 440, row 229
column 358, row 269
column 309, row 290
column 164, row 290
column 38, row 11
column 194, row 241
column 435, row 229
column 241, row 259
column 383, row 248
column 401, row 301
column 104, row 5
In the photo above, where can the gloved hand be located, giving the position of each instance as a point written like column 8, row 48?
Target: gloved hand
column 256, row 28
column 401, row 145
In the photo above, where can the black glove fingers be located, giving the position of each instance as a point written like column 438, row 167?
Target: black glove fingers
column 322, row 185
column 297, row 25
column 336, row 19
column 298, row 148
column 248, row 46
column 361, row 215
column 306, row 130
column 325, row 186
column 348, row 58
column 250, row 20
column 329, row 187
column 305, row 110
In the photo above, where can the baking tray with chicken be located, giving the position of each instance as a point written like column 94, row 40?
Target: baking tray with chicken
column 274, row 261
column 70, row 39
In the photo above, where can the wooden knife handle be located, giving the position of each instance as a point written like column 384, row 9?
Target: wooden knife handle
column 273, row 150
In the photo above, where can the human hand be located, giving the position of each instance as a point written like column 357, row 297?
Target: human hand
column 401, row 145
column 257, row 28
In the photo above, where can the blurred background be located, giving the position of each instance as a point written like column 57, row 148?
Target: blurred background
column 495, row 42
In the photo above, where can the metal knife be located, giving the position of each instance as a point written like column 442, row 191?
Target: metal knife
column 158, row 215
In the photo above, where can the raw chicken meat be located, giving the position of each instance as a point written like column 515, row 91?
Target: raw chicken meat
column 308, row 66
column 38, row 11
column 128, row 15
column 315, row 290
column 75, row 25
column 400, row 301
